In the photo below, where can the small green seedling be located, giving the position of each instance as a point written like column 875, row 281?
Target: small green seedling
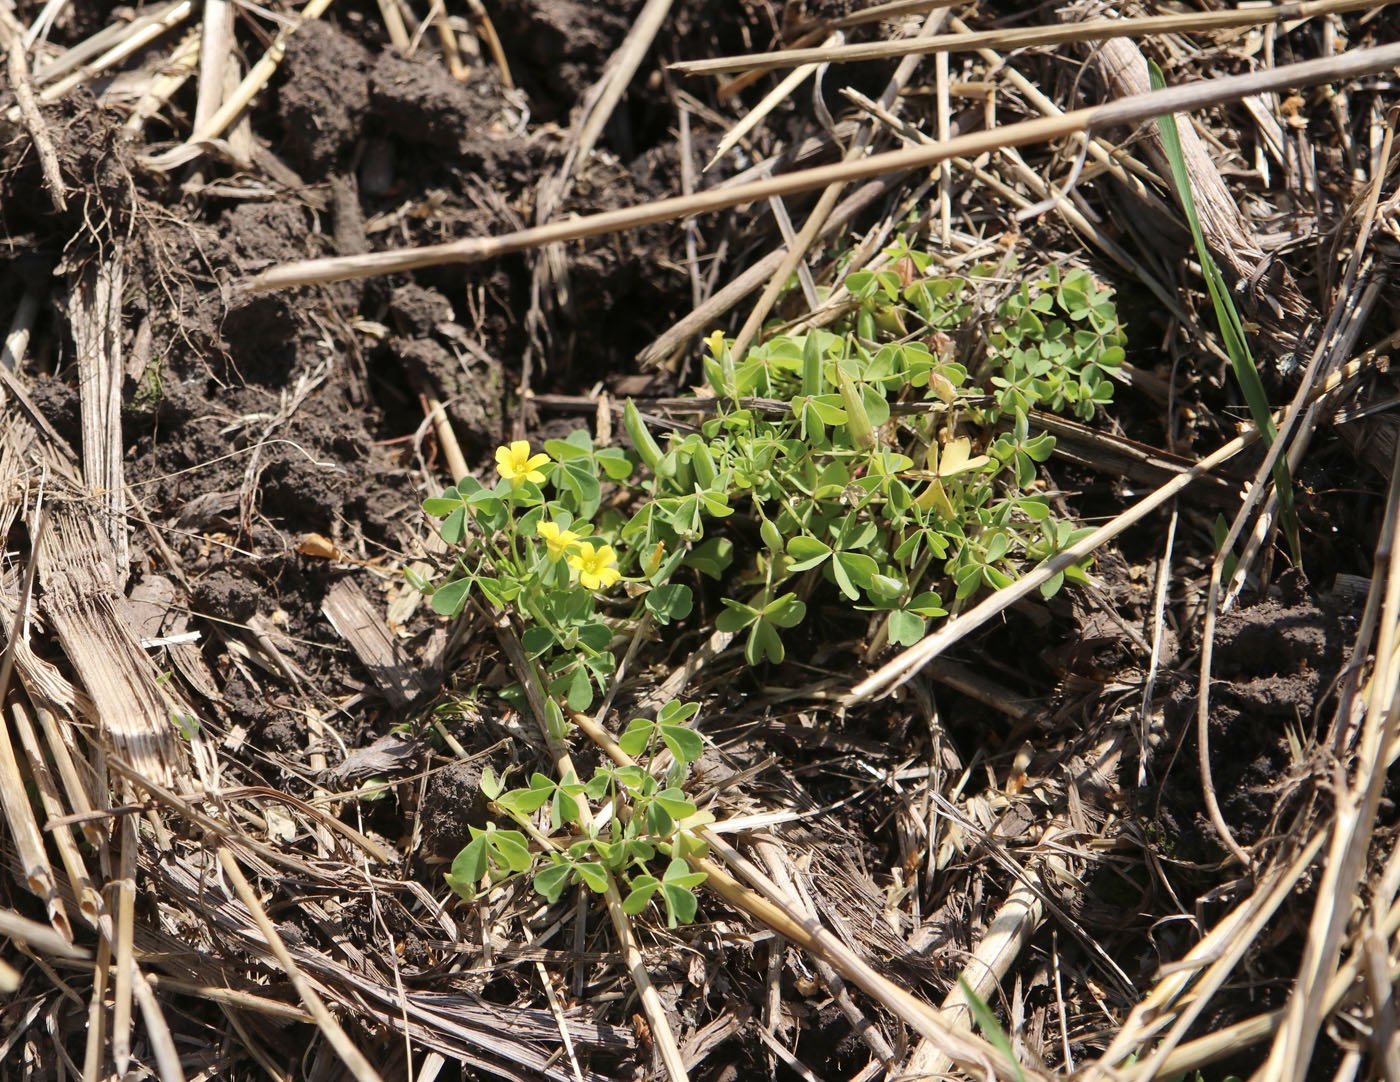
column 637, row 819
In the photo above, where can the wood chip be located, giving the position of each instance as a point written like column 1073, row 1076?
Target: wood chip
column 360, row 623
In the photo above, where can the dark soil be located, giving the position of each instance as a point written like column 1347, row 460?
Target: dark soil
column 453, row 803
column 1275, row 667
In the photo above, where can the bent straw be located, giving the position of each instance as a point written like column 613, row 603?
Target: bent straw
column 903, row 666
column 1026, row 36
column 1130, row 110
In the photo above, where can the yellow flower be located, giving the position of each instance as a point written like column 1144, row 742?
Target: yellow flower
column 595, row 566
column 517, row 465
column 556, row 540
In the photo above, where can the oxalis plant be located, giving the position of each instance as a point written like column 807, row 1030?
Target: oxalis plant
column 530, row 549
column 865, row 454
column 886, row 469
column 639, row 817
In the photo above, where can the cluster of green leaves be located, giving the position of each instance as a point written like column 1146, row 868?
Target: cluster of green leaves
column 878, row 505
column 846, row 453
column 646, row 820
column 536, row 545
column 1056, row 345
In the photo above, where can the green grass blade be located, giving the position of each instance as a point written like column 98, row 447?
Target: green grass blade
column 990, row 1027
column 1231, row 326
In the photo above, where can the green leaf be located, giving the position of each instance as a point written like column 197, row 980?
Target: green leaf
column 595, row 635
column 909, row 547
column 490, row 784
column 578, row 445
column 672, row 601
column 990, row 1027
column 634, row 740
column 511, row 848
column 927, row 604
column 580, row 691
column 522, row 802
column 594, row 874
column 1040, row 448
column 676, row 712
column 467, row 869
column 806, row 552
column 1077, row 573
column 454, row 526
column 536, row 640
column 884, row 587
column 735, row 617
column 440, row 507
column 905, row 628
column 643, row 887
column 996, row 578
column 855, row 533
column 712, row 557
column 659, row 821
column 552, row 880
column 615, row 463
column 876, row 408
column 684, row 744
column 563, row 809
column 675, row 803
column 489, row 498
column 828, row 408
column 858, row 566
column 1231, row 561
column 580, row 478
column 688, row 845
column 678, row 872
column 843, row 578
column 862, row 283
column 680, row 904
column 1231, row 326
column 449, row 600
column 496, row 592
column 631, row 777
column 639, row 849
column 785, row 611
column 764, row 643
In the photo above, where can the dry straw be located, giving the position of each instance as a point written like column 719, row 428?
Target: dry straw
column 1126, row 111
